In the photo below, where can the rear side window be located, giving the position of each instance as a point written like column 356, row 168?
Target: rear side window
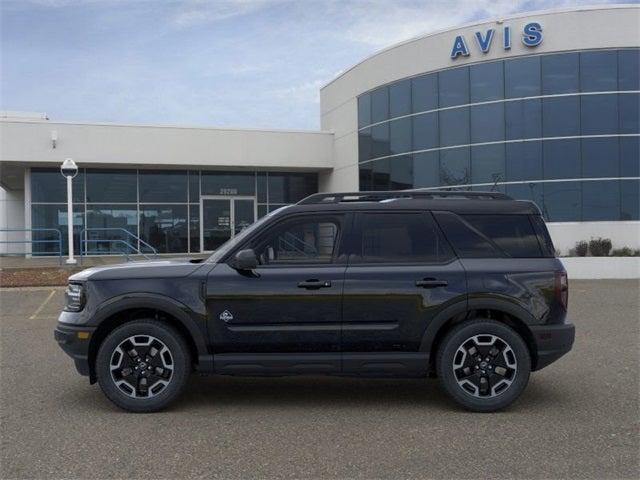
column 401, row 238
column 544, row 238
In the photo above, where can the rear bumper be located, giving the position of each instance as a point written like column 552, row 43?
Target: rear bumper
column 75, row 343
column 552, row 342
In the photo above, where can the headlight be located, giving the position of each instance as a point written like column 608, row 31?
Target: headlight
column 74, row 295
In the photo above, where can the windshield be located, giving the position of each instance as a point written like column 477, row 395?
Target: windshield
column 230, row 244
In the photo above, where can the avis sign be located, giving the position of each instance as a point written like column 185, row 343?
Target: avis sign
column 531, row 37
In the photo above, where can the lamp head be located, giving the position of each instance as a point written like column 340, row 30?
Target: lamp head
column 69, row 169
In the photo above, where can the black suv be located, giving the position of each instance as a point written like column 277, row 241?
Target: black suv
column 462, row 285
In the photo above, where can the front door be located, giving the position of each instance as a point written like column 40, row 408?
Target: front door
column 221, row 218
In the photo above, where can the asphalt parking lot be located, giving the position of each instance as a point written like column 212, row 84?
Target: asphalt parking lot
column 577, row 419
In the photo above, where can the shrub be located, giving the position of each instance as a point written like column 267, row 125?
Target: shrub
column 581, row 248
column 625, row 252
column 600, row 247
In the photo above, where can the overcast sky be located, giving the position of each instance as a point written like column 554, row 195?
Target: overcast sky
column 243, row 63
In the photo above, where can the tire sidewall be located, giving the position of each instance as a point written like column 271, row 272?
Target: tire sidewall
column 452, row 342
column 181, row 360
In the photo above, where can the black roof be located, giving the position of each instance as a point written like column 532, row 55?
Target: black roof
column 418, row 199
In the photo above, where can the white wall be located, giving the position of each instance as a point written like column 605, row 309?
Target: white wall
column 11, row 217
column 599, row 268
column 622, row 234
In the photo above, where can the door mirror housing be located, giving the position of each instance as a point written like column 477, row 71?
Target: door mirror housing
column 245, row 260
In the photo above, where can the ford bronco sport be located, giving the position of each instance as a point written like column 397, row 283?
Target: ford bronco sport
column 462, row 285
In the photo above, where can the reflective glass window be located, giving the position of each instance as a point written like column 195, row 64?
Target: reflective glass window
column 228, row 183
column 364, row 110
column 51, row 217
column 599, row 71
column 600, row 201
column 630, row 200
column 365, row 145
column 526, row 191
column 194, row 227
column 401, row 174
column 115, row 221
column 522, row 77
column 523, row 161
column 561, row 116
column 424, row 93
column 163, row 186
column 561, row 159
column 381, row 174
column 453, row 87
column 630, row 156
column 365, row 177
column 379, row 104
column 600, row 157
column 560, row 73
column 487, row 123
column 262, row 210
column 49, row 186
column 487, row 164
column 629, row 69
column 523, row 119
column 380, row 140
column 426, row 168
column 454, row 127
column 455, row 166
column 194, row 186
column 629, row 112
column 425, row 131
column 400, row 98
column 599, row 114
column 562, row 201
column 291, row 187
column 165, row 227
column 112, row 186
column 400, row 135
column 261, row 187
column 487, row 81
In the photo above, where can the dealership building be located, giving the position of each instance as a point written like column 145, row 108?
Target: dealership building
column 542, row 106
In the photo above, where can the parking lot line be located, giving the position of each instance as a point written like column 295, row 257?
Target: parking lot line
column 42, row 305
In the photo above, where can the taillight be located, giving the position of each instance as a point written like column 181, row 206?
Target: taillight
column 562, row 288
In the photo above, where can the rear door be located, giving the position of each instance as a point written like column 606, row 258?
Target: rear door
column 401, row 273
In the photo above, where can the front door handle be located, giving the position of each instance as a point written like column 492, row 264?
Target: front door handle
column 431, row 283
column 314, row 284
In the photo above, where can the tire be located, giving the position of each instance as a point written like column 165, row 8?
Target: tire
column 143, row 365
column 461, row 369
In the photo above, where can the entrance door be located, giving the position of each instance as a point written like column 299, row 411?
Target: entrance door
column 221, row 218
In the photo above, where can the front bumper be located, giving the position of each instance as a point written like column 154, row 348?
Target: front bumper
column 552, row 342
column 75, row 340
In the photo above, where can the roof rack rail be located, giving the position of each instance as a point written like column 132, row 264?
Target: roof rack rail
column 377, row 196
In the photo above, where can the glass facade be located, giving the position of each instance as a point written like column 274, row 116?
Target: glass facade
column 161, row 207
column 559, row 129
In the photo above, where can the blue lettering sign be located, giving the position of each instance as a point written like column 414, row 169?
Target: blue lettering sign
column 532, row 35
column 459, row 48
column 485, row 43
column 506, row 38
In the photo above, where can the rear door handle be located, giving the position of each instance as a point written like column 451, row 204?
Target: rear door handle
column 314, row 284
column 431, row 283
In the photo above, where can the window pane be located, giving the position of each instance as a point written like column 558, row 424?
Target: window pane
column 561, row 159
column 261, row 186
column 487, row 123
column 228, row 183
column 111, row 223
column 194, row 186
column 380, row 141
column 365, row 177
column 53, row 217
column 454, row 127
column 514, row 234
column 523, row 119
column 629, row 113
column 364, row 110
column 561, row 116
column 453, row 87
column 401, row 237
column 425, row 131
column 194, row 227
column 401, row 172
column 630, row 200
column 364, row 145
column 379, row 104
column 487, row 164
column 466, row 242
column 630, row 156
column 522, row 77
column 424, row 93
column 598, row 71
column 262, row 211
column 600, row 201
column 600, row 157
column 562, row 201
column 381, row 174
column 487, row 81
column 165, row 227
column 291, row 187
column 400, row 98
column 629, row 69
column 49, row 186
column 454, row 166
column 599, row 114
column 400, row 132
column 523, row 161
column 163, row 186
column 560, row 73
column 426, row 167
column 112, row 186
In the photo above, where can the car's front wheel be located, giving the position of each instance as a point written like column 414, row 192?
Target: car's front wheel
column 143, row 365
column 483, row 365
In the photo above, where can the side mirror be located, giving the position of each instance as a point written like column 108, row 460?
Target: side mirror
column 245, row 260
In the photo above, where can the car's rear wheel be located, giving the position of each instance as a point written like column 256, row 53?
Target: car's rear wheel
column 143, row 365
column 483, row 365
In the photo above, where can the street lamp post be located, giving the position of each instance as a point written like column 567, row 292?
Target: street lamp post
column 69, row 169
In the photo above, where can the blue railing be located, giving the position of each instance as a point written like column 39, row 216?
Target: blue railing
column 57, row 241
column 129, row 245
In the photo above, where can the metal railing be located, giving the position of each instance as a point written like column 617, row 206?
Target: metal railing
column 130, row 245
column 31, row 241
